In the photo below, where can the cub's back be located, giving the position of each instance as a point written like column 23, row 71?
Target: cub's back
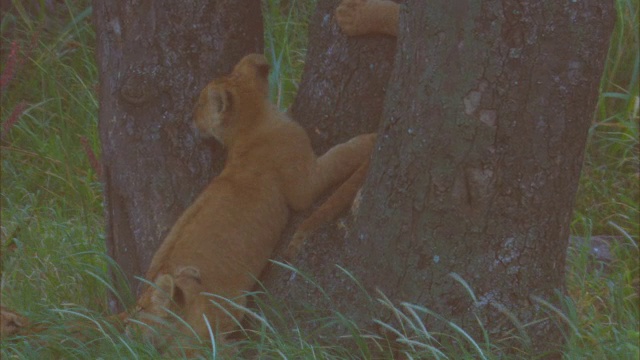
column 235, row 223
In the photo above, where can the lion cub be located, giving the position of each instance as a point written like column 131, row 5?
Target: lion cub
column 221, row 243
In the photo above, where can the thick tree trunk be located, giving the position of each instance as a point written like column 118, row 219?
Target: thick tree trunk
column 154, row 57
column 475, row 171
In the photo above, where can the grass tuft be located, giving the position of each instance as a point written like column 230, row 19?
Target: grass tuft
column 285, row 24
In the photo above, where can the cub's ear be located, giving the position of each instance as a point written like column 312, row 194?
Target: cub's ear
column 211, row 111
column 220, row 100
column 163, row 291
column 227, row 101
column 188, row 284
column 258, row 62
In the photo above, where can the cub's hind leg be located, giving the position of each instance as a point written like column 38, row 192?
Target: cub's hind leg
column 309, row 178
column 345, row 165
column 362, row 17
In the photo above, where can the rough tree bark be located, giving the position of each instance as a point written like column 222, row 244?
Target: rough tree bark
column 475, row 172
column 154, row 57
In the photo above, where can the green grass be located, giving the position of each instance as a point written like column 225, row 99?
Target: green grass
column 285, row 45
column 52, row 229
column 609, row 190
column 52, row 226
column 603, row 303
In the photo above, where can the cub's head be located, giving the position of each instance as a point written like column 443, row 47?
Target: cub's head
column 233, row 101
column 172, row 295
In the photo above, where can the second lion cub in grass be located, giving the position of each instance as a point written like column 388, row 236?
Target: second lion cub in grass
column 222, row 242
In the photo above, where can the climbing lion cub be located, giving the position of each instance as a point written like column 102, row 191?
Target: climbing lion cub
column 221, row 243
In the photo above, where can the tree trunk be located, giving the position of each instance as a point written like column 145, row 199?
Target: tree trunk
column 154, row 57
column 475, row 172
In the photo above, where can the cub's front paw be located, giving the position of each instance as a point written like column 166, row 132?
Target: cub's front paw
column 362, row 17
column 351, row 17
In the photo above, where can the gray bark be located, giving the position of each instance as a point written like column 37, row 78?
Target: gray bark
column 154, row 57
column 475, row 172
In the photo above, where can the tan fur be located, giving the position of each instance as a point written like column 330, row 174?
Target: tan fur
column 11, row 323
column 362, row 17
column 222, row 242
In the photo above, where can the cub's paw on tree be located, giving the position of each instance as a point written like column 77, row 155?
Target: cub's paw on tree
column 363, row 17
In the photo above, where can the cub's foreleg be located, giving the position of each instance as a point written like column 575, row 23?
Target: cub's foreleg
column 340, row 162
column 345, row 165
column 306, row 179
